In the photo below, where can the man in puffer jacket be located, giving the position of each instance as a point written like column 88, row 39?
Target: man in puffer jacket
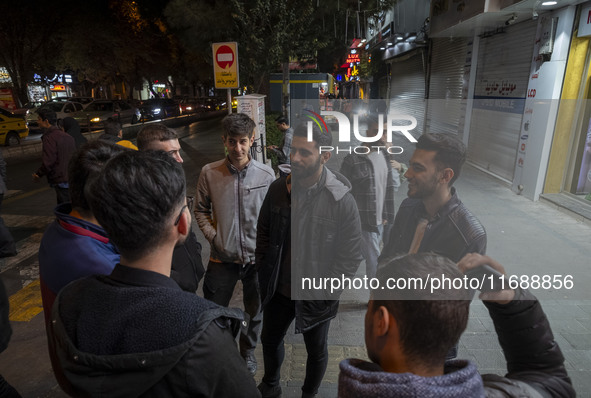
column 408, row 332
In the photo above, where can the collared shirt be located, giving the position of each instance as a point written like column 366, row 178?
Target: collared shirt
column 140, row 277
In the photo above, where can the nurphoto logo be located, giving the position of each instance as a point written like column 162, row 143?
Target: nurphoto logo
column 392, row 125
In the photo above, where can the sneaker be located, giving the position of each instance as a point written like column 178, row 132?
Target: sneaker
column 251, row 363
column 268, row 391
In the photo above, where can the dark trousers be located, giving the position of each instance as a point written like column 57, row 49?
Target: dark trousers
column 6, row 390
column 62, row 194
column 218, row 286
column 277, row 316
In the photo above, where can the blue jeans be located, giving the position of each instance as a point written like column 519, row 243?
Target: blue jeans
column 218, row 286
column 370, row 250
column 277, row 316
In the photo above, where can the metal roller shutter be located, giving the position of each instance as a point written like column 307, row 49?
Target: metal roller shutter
column 502, row 74
column 446, row 109
column 407, row 88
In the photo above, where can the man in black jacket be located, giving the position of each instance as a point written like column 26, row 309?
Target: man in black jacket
column 58, row 148
column 135, row 332
column 408, row 332
column 187, row 265
column 325, row 232
column 433, row 218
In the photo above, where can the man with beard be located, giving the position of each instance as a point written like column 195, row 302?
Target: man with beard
column 432, row 218
column 230, row 193
column 135, row 332
column 325, row 232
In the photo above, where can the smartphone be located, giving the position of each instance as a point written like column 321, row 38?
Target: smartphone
column 491, row 279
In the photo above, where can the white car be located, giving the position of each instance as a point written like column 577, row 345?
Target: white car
column 61, row 108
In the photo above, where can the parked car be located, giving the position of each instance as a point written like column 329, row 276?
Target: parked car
column 61, row 108
column 99, row 111
column 159, row 108
column 12, row 128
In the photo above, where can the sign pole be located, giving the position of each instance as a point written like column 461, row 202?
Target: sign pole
column 229, row 101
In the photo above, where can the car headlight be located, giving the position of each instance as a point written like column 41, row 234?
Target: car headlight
column 156, row 110
column 189, row 108
column 95, row 119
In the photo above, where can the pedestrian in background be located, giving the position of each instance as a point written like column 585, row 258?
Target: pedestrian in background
column 370, row 175
column 58, row 147
column 113, row 131
column 283, row 150
column 71, row 126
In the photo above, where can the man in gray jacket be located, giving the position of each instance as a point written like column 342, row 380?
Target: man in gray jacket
column 230, row 193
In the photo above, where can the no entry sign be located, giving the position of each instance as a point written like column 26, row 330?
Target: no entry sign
column 225, row 65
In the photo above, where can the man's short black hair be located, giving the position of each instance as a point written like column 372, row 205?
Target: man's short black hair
column 112, row 127
column 238, row 125
column 136, row 197
column 85, row 165
column 429, row 323
column 48, row 115
column 154, row 132
column 281, row 120
column 450, row 151
column 320, row 137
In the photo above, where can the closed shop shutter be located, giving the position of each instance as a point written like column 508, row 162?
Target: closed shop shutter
column 446, row 108
column 407, row 88
column 504, row 62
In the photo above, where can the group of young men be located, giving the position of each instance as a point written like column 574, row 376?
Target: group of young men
column 137, row 328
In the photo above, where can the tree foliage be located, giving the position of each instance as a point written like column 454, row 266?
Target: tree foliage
column 30, row 41
column 128, row 41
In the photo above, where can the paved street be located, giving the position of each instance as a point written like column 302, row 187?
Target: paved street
column 528, row 238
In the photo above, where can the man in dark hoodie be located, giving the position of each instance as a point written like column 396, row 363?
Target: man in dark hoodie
column 408, row 332
column 135, row 332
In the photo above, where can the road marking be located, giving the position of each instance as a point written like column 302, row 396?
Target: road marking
column 26, row 195
column 26, row 303
column 26, row 248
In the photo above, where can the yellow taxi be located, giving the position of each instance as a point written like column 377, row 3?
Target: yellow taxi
column 12, row 128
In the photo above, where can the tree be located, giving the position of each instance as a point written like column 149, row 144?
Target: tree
column 129, row 43
column 30, row 41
